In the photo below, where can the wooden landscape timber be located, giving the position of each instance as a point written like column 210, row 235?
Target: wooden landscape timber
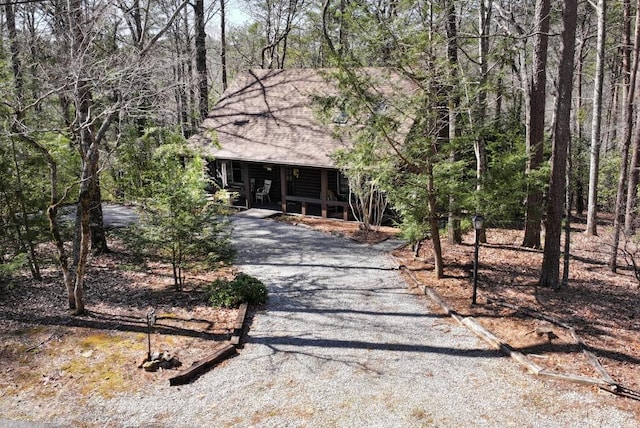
column 606, row 382
column 222, row 351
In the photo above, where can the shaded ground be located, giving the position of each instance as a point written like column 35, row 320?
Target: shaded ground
column 600, row 306
column 46, row 352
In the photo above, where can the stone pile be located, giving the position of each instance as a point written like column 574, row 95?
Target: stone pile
column 160, row 360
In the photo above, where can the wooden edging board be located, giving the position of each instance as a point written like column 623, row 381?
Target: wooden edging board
column 496, row 343
column 224, row 351
column 221, row 352
column 239, row 324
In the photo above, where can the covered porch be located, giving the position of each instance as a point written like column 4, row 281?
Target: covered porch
column 309, row 191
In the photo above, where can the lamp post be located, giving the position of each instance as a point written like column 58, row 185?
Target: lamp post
column 151, row 320
column 478, row 223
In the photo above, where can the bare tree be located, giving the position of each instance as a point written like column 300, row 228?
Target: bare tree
column 630, row 73
column 223, row 44
column 550, row 274
column 535, row 122
column 596, row 121
column 277, row 18
column 201, row 59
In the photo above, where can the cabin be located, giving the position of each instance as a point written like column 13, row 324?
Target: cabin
column 266, row 140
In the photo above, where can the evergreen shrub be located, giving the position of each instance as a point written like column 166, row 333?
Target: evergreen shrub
column 242, row 289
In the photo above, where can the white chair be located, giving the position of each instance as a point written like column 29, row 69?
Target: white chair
column 263, row 192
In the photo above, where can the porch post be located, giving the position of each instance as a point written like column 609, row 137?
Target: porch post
column 283, row 188
column 324, row 185
column 247, row 184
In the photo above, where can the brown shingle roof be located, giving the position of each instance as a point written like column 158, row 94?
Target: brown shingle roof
column 270, row 116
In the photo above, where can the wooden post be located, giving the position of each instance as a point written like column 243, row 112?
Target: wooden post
column 324, row 185
column 283, row 188
column 247, row 184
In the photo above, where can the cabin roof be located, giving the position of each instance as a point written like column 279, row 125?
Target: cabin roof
column 272, row 116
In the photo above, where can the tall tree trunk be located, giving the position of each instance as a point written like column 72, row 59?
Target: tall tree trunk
column 223, row 44
column 550, row 275
column 535, row 120
column 566, row 256
column 88, row 147
column 14, row 48
column 453, row 223
column 433, row 219
column 596, row 122
column 611, row 133
column 632, row 184
column 479, row 145
column 96, row 220
column 201, row 59
column 578, row 132
column 630, row 72
column 343, row 33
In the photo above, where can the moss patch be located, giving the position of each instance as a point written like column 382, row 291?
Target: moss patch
column 103, row 362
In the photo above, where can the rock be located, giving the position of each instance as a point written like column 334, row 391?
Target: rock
column 151, row 366
column 171, row 363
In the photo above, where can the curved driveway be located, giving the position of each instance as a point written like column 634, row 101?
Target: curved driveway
column 342, row 343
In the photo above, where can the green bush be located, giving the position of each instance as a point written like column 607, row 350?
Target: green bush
column 243, row 288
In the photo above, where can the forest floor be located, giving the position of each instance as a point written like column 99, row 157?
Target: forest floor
column 46, row 353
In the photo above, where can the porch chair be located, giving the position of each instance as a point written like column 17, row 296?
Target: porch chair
column 263, row 192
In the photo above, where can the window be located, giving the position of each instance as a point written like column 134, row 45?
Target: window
column 234, row 172
column 343, row 184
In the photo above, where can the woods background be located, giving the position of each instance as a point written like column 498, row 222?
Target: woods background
column 525, row 110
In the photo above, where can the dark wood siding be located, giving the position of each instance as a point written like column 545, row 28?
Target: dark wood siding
column 307, row 182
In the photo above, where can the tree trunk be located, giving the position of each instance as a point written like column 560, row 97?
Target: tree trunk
column 550, row 275
column 343, row 33
column 567, row 221
column 630, row 78
column 479, row 146
column 433, row 221
column 535, row 130
column 596, row 122
column 14, row 47
column 223, row 44
column 454, row 233
column 96, row 220
column 632, row 185
column 201, row 59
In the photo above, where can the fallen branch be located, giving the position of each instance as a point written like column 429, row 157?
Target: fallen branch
column 39, row 344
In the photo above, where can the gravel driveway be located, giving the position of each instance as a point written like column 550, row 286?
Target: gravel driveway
column 343, row 344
